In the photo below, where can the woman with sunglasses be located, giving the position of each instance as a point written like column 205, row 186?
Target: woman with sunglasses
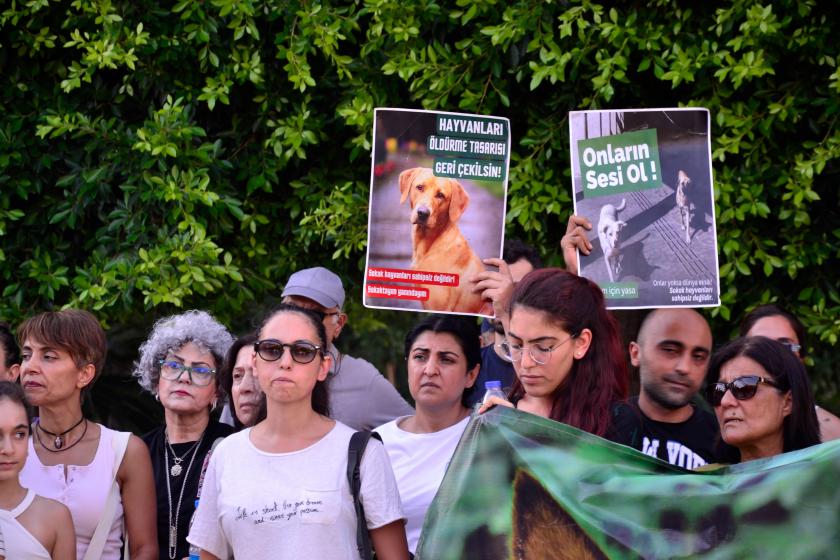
column 238, row 380
column 762, row 399
column 442, row 355
column 777, row 323
column 566, row 351
column 178, row 364
column 279, row 489
column 104, row 477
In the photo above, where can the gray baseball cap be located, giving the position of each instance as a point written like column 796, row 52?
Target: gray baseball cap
column 318, row 284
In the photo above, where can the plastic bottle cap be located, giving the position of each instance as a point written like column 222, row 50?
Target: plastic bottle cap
column 492, row 384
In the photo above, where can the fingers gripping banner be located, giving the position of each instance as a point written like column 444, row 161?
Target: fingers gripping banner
column 523, row 487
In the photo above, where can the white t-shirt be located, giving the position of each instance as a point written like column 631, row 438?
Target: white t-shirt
column 256, row 504
column 419, row 462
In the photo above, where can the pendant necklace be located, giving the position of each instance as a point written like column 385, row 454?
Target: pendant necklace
column 59, row 440
column 176, row 468
column 173, row 523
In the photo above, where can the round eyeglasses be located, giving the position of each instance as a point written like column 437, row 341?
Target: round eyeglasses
column 198, row 375
column 742, row 388
column 539, row 354
column 272, row 350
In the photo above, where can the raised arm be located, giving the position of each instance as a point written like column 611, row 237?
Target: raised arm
column 575, row 240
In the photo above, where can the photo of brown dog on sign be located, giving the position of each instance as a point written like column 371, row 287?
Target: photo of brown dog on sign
column 437, row 203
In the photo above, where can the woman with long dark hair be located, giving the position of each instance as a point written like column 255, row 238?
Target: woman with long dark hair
column 442, row 354
column 280, row 489
column 781, row 325
column 762, row 399
column 566, row 351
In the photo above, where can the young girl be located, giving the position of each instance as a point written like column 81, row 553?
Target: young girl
column 279, row 489
column 566, row 351
column 31, row 527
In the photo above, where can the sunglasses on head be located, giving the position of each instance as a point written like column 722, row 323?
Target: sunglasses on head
column 272, row 350
column 742, row 388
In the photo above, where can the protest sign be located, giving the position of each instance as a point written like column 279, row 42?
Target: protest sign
column 643, row 178
column 522, row 486
column 437, row 208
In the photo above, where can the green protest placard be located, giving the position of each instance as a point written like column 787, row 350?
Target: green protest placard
column 522, row 486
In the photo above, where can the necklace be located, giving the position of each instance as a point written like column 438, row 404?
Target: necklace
column 176, row 469
column 173, row 527
column 58, row 442
column 59, row 445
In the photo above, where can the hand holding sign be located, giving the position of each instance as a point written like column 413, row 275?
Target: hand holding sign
column 497, row 287
column 575, row 240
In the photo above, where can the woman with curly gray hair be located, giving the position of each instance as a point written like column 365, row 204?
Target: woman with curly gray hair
column 178, row 364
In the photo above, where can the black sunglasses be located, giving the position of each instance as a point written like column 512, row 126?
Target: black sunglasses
column 742, row 388
column 272, row 350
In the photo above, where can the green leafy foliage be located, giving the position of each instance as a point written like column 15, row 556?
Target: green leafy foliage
column 157, row 157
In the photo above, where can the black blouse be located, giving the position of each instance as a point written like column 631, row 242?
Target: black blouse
column 156, row 441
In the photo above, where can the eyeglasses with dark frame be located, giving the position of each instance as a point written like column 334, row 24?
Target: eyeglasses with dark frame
column 199, row 376
column 301, row 351
column 742, row 388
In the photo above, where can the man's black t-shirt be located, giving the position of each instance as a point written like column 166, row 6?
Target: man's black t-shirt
column 688, row 444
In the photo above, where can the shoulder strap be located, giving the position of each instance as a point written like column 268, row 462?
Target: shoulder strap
column 204, row 466
column 119, row 443
column 355, row 451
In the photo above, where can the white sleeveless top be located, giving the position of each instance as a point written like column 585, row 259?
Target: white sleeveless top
column 84, row 491
column 19, row 543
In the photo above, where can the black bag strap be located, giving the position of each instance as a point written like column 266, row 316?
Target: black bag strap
column 358, row 443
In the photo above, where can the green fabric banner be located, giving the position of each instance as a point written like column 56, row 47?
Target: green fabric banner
column 520, row 486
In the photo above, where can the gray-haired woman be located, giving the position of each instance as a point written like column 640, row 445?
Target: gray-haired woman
column 178, row 364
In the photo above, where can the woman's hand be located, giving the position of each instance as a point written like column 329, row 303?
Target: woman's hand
column 575, row 240
column 493, row 401
column 496, row 287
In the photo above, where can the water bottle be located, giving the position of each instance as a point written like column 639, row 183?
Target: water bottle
column 195, row 552
column 493, row 389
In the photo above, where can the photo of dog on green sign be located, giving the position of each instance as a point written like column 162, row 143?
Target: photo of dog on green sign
column 643, row 178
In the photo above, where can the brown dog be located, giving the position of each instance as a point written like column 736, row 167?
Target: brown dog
column 543, row 529
column 438, row 245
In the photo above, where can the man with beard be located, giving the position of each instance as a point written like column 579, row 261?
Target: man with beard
column 672, row 353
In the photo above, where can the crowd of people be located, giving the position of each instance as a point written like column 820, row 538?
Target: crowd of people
column 258, row 453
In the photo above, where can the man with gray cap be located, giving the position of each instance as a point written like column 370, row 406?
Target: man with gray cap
column 359, row 395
